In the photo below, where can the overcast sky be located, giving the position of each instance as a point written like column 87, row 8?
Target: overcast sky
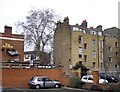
column 96, row 12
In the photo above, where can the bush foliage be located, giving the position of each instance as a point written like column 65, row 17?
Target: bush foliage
column 75, row 82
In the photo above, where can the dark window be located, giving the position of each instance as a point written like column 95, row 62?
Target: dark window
column 116, row 44
column 85, row 45
column 85, row 78
column 80, row 55
column 90, row 78
column 110, row 59
column 116, row 54
column 110, row 48
column 116, row 66
column 80, row 39
column 101, row 65
column 85, row 57
column 93, row 64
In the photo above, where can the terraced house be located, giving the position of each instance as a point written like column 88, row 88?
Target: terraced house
column 78, row 43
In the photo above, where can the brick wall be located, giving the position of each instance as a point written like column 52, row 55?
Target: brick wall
column 19, row 77
column 14, row 40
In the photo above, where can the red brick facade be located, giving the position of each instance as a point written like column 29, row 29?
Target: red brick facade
column 12, row 47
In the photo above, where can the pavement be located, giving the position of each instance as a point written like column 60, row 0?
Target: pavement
column 64, row 89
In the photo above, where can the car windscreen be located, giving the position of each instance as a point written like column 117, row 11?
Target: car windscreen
column 33, row 78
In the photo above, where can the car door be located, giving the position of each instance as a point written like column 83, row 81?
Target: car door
column 49, row 82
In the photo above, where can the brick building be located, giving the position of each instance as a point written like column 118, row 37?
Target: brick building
column 12, row 47
column 78, row 43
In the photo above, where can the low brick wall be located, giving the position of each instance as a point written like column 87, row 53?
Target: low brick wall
column 19, row 77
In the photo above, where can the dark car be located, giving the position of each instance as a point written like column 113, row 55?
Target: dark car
column 108, row 77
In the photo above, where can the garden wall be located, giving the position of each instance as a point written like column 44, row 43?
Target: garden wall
column 12, row 78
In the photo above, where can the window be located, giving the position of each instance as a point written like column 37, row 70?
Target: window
column 116, row 44
column 85, row 45
column 94, row 54
column 93, row 43
column 110, row 59
column 26, row 56
column 116, row 54
column 116, row 66
column 39, row 79
column 85, row 57
column 80, row 55
column 80, row 39
column 110, row 48
column 93, row 64
column 101, row 65
column 101, row 54
column 80, row 52
column 93, row 32
column 90, row 78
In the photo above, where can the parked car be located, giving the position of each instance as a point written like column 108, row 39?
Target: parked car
column 42, row 82
column 1, row 89
column 89, row 79
column 108, row 77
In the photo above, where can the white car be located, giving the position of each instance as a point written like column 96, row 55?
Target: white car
column 43, row 81
column 89, row 79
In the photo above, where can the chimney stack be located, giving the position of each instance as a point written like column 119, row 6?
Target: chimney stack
column 8, row 30
column 84, row 24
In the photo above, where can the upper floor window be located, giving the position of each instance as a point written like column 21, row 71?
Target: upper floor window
column 110, row 59
column 93, row 32
column 116, row 54
column 85, row 45
column 85, row 58
column 110, row 48
column 101, row 65
column 80, row 39
column 93, row 64
column 94, row 54
column 80, row 52
column 93, row 43
column 116, row 44
column 116, row 66
column 101, row 54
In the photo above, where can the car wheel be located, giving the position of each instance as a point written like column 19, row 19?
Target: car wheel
column 57, row 86
column 37, row 86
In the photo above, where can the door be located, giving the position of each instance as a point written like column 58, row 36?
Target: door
column 49, row 82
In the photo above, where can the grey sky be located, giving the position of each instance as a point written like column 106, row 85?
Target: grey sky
column 96, row 12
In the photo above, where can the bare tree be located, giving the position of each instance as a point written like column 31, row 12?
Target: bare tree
column 39, row 29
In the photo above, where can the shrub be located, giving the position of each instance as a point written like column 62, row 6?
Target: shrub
column 75, row 82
